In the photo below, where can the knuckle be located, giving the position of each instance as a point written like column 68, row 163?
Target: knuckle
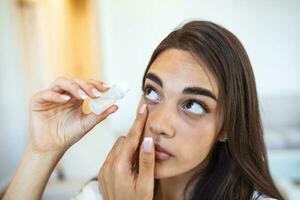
column 147, row 162
column 97, row 81
column 103, row 174
column 91, row 81
column 132, row 130
column 100, row 174
column 38, row 95
column 74, row 86
column 105, row 167
column 121, row 138
column 89, row 86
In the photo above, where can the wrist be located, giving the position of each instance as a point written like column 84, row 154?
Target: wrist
column 49, row 157
column 33, row 174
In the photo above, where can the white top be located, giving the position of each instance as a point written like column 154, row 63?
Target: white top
column 91, row 192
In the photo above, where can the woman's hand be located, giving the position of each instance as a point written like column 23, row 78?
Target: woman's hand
column 116, row 178
column 56, row 117
column 56, row 122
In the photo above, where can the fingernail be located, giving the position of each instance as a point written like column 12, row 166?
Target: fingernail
column 96, row 92
column 142, row 108
column 82, row 94
column 106, row 85
column 116, row 108
column 65, row 97
column 148, row 144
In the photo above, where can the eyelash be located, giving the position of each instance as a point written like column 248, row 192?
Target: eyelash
column 148, row 87
column 201, row 103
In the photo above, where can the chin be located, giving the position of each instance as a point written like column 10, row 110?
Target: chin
column 170, row 169
column 164, row 170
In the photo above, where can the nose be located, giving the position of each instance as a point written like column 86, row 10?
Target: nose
column 161, row 121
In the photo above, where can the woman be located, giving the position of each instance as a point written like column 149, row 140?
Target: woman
column 198, row 115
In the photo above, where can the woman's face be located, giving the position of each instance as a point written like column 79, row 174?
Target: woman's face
column 181, row 97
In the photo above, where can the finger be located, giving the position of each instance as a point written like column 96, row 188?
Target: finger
column 88, row 88
column 137, row 128
column 50, row 96
column 102, row 87
column 146, row 164
column 65, row 85
column 90, row 120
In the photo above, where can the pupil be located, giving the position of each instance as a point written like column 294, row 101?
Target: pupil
column 189, row 104
column 148, row 91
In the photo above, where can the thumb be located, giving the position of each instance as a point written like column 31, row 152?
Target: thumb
column 90, row 120
column 146, row 164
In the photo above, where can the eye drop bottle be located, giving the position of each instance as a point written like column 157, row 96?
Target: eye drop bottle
column 108, row 98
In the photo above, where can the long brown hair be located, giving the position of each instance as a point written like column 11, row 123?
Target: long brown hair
column 239, row 166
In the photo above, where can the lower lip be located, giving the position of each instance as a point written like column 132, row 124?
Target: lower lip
column 161, row 156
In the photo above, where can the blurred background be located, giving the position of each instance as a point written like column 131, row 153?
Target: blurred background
column 112, row 40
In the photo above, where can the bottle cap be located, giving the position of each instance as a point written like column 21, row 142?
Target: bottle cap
column 121, row 88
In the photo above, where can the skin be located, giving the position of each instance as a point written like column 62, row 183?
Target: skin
column 189, row 137
column 57, row 122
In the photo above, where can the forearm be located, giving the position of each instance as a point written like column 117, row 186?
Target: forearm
column 32, row 175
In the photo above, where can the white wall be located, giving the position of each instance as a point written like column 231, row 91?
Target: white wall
column 13, row 117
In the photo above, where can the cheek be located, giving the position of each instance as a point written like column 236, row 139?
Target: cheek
column 195, row 143
column 194, row 150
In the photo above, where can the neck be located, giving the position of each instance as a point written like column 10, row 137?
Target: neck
column 173, row 187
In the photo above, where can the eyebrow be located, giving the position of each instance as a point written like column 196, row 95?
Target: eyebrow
column 154, row 78
column 188, row 90
column 199, row 91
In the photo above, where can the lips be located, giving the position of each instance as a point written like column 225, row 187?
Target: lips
column 161, row 154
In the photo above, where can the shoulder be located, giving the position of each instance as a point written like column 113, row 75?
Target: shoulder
column 256, row 196
column 89, row 192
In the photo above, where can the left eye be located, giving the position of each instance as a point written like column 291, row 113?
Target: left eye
column 194, row 107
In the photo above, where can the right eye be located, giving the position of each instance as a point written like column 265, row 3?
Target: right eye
column 151, row 94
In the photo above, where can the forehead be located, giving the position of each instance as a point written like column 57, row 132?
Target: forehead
column 179, row 68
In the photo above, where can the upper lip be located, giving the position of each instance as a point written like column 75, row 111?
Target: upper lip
column 161, row 149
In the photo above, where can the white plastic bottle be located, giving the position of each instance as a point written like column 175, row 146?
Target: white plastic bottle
column 108, row 98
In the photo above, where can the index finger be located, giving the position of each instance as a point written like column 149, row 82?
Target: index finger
column 137, row 128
